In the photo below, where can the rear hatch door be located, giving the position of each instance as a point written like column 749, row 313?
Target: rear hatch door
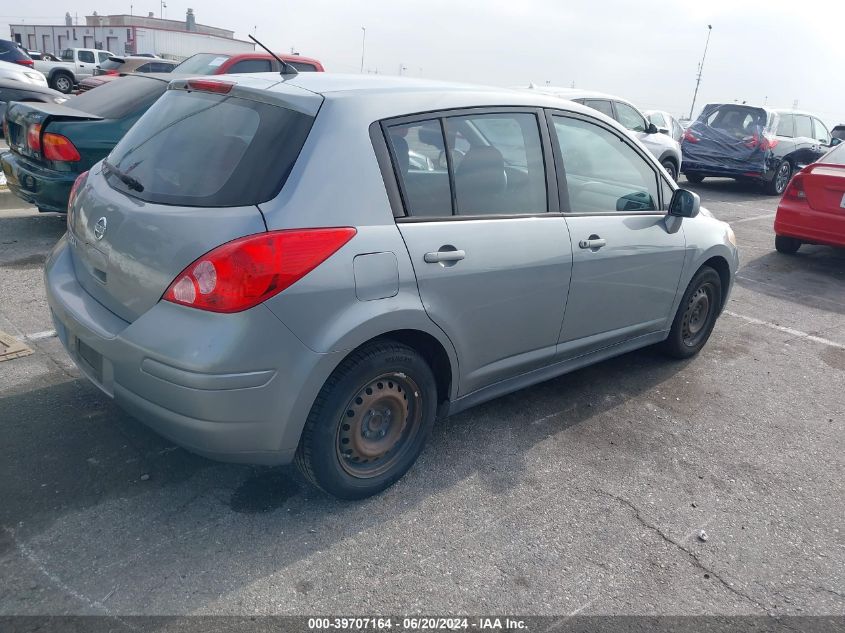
column 730, row 137
column 22, row 117
column 186, row 178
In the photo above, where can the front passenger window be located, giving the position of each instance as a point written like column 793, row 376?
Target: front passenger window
column 603, row 172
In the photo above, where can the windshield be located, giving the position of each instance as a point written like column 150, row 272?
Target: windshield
column 201, row 64
column 113, row 63
column 179, row 153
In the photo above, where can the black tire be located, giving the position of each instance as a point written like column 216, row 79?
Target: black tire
column 353, row 420
column 777, row 185
column 669, row 166
column 787, row 245
column 696, row 315
column 63, row 82
column 694, row 178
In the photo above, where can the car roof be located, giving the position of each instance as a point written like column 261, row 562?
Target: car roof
column 576, row 93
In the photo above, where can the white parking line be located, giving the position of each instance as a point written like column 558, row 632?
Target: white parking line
column 40, row 335
column 787, row 330
column 753, row 218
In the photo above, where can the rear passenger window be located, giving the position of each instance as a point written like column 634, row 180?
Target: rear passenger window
column 603, row 172
column 251, row 66
column 419, row 157
column 786, row 126
column 803, row 126
column 502, row 171
column 602, row 105
column 86, row 57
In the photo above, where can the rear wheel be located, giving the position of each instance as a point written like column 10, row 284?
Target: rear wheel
column 787, row 245
column 369, row 422
column 696, row 315
column 777, row 185
column 694, row 178
column 62, row 82
column 669, row 166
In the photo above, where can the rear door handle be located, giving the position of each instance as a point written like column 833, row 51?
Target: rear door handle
column 595, row 242
column 444, row 256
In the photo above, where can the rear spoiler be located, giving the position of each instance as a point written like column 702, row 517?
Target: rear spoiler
column 32, row 112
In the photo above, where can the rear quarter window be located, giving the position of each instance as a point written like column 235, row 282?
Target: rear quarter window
column 119, row 98
column 201, row 149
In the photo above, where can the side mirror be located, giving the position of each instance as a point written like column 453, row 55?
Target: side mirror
column 684, row 204
column 651, row 129
column 663, row 130
column 835, row 141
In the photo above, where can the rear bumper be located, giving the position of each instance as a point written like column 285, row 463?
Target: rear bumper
column 46, row 189
column 799, row 220
column 232, row 387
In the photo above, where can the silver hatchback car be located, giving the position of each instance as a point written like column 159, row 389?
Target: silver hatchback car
column 314, row 269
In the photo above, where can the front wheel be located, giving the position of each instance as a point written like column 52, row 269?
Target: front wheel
column 696, row 315
column 369, row 422
column 63, row 83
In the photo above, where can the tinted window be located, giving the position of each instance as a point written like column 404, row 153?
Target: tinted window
column 602, row 105
column 419, row 160
column 86, row 57
column 10, row 52
column 67, row 55
column 161, row 67
column 303, row 66
column 803, row 126
column 175, row 158
column 145, row 68
column 202, row 64
column 737, row 121
column 111, row 64
column 836, row 156
column 821, row 132
column 118, row 98
column 251, row 66
column 629, row 117
column 603, row 172
column 839, row 132
column 786, row 126
column 502, row 171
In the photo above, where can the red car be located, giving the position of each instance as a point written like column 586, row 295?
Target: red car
column 812, row 210
column 231, row 63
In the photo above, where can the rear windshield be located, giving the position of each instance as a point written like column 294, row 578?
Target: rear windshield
column 202, row 149
column 736, row 120
column 201, row 64
column 836, row 156
column 10, row 52
column 116, row 99
column 112, row 63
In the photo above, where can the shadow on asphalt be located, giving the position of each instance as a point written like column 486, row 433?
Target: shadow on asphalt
column 813, row 277
column 67, row 448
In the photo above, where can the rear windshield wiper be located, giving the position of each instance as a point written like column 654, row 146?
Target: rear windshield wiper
column 126, row 179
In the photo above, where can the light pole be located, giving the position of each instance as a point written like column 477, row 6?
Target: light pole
column 162, row 8
column 363, row 46
column 700, row 69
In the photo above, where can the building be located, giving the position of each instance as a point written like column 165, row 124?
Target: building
column 131, row 34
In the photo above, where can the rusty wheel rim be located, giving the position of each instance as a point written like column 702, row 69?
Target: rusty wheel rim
column 697, row 315
column 378, row 425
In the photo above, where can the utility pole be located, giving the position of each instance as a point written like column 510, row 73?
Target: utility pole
column 363, row 46
column 700, row 70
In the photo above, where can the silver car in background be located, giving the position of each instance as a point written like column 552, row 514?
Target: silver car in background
column 666, row 124
column 666, row 149
column 231, row 282
column 24, row 74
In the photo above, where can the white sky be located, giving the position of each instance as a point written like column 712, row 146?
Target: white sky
column 773, row 51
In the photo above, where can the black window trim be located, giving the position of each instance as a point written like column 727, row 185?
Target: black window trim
column 625, row 138
column 394, row 187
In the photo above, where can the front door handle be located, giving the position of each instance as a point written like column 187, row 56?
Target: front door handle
column 593, row 243
column 444, row 256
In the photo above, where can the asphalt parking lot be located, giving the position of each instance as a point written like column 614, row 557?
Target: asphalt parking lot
column 585, row 494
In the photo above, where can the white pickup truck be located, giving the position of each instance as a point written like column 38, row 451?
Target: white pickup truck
column 76, row 65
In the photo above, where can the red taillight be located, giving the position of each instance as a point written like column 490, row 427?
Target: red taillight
column 33, row 137
column 247, row 271
column 58, row 147
column 25, row 62
column 763, row 141
column 689, row 136
column 795, row 190
column 80, row 180
column 111, row 72
column 210, row 85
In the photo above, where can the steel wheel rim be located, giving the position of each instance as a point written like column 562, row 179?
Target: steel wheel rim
column 697, row 315
column 782, row 177
column 378, row 425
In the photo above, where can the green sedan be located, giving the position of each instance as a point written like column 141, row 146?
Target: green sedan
column 51, row 144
